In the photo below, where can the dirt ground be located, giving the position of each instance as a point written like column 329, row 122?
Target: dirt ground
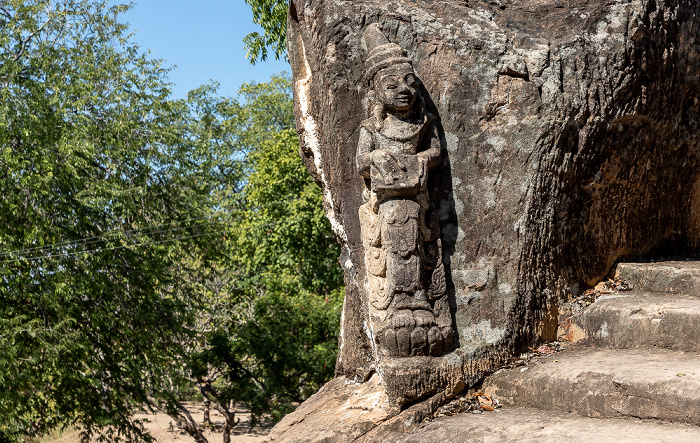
column 162, row 427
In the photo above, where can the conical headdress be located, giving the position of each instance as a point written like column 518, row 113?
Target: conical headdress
column 380, row 52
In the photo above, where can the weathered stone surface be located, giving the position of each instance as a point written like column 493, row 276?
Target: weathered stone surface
column 342, row 411
column 349, row 411
column 571, row 141
column 673, row 277
column 360, row 415
column 529, row 425
column 570, row 134
column 633, row 320
column 657, row 384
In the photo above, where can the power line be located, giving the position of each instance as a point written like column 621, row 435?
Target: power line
column 84, row 243
column 89, row 252
column 106, row 234
column 111, row 235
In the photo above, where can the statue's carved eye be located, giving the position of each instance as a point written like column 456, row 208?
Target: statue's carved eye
column 411, row 80
column 391, row 82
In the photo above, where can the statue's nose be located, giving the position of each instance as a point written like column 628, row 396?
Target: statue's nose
column 404, row 88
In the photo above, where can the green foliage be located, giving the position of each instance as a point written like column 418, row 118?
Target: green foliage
column 285, row 247
column 144, row 240
column 284, row 353
column 107, row 188
column 271, row 15
column 278, row 343
column 284, row 232
column 267, row 111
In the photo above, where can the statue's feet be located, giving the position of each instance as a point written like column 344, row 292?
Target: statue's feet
column 414, row 333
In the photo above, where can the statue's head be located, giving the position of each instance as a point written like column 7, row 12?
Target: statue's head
column 390, row 73
column 396, row 87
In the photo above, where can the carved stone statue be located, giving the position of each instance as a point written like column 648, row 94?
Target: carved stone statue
column 398, row 147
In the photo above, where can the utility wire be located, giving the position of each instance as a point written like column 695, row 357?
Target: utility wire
column 89, row 252
column 111, row 235
column 98, row 239
column 106, row 234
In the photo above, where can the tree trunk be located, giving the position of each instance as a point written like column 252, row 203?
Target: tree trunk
column 207, row 408
column 230, row 413
column 188, row 424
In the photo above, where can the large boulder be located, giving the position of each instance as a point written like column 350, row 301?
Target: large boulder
column 569, row 134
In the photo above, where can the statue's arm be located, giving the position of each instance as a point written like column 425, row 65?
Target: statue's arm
column 433, row 149
column 365, row 146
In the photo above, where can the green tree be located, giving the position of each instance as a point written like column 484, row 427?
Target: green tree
column 289, row 262
column 271, row 15
column 145, row 240
column 280, row 287
column 106, row 191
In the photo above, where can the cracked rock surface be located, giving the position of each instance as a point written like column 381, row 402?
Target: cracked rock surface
column 570, row 133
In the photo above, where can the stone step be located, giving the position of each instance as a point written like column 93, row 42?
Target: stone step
column 658, row 384
column 673, row 276
column 531, row 425
column 635, row 320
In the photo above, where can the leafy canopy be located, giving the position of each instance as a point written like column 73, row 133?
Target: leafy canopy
column 107, row 186
column 271, row 15
column 145, row 240
column 278, row 343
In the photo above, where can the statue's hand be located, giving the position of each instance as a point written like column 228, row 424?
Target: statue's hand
column 385, row 163
column 380, row 157
column 424, row 157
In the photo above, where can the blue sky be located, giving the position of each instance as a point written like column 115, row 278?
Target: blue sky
column 203, row 38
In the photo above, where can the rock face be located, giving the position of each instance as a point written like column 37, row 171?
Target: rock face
column 569, row 140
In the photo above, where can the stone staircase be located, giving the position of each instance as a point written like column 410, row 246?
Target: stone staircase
column 631, row 372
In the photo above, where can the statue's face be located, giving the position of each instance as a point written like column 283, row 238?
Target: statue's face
column 397, row 87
